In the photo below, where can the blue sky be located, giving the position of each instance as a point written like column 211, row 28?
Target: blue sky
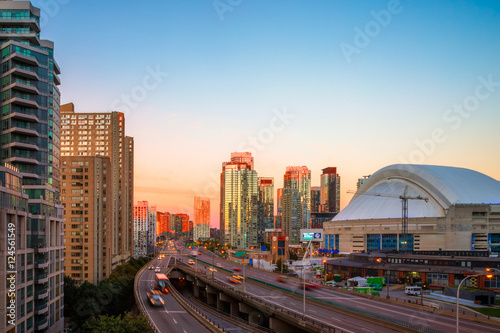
column 228, row 78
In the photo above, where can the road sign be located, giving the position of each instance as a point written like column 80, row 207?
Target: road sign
column 240, row 253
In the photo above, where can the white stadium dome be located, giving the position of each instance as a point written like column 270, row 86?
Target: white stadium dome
column 378, row 197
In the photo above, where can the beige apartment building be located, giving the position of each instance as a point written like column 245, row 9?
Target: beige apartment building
column 85, row 193
column 103, row 134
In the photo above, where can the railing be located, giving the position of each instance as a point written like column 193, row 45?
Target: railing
column 270, row 306
column 138, row 300
column 193, row 308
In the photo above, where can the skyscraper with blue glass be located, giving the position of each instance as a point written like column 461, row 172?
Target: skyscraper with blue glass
column 30, row 144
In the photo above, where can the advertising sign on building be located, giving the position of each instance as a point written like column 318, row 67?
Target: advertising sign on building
column 315, row 235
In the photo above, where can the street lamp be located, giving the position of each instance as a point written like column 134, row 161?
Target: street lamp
column 458, row 295
column 488, row 275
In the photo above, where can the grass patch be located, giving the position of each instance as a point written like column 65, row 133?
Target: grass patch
column 492, row 312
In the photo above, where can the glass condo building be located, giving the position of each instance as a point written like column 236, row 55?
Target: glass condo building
column 30, row 146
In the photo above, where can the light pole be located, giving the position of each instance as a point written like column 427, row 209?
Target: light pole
column 458, row 295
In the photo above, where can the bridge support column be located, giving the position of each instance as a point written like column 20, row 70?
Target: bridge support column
column 211, row 295
column 234, row 309
column 281, row 326
column 196, row 290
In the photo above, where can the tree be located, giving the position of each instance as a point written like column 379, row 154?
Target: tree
column 280, row 263
column 112, row 324
column 293, row 256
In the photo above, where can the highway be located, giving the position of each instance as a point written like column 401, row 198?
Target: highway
column 341, row 322
column 171, row 317
column 434, row 321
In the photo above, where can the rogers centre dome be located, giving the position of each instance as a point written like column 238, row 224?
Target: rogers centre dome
column 461, row 210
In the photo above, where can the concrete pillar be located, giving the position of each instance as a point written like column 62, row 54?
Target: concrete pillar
column 196, row 290
column 234, row 309
column 281, row 326
column 211, row 295
column 220, row 304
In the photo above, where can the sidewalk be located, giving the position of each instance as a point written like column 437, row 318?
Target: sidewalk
column 451, row 299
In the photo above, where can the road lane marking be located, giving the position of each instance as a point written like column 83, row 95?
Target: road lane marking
column 315, row 319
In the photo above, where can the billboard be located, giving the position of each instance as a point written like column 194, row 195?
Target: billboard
column 315, row 235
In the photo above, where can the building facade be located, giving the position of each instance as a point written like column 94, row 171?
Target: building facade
column 162, row 223
column 141, row 229
column 31, row 145
column 296, row 202
column 151, row 233
column 279, row 209
column 239, row 201
column 330, row 191
column 450, row 209
column 84, row 194
column 266, row 207
column 103, row 134
column 315, row 198
column 201, row 227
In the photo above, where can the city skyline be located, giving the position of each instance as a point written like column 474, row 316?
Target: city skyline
column 358, row 86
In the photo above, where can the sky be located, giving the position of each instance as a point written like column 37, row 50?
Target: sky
column 356, row 85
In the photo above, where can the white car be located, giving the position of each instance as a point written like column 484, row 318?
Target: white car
column 157, row 270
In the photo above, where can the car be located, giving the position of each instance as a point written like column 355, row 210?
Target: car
column 150, row 267
column 282, row 279
column 239, row 277
column 157, row 270
column 154, row 298
column 218, row 264
column 211, row 269
column 191, row 262
column 199, row 253
column 331, row 283
column 234, row 280
column 308, row 286
column 236, row 269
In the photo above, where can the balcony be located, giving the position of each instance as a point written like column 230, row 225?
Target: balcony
column 24, row 73
column 24, row 59
column 24, row 102
column 41, row 264
column 23, row 87
column 23, row 145
column 41, row 308
column 20, row 115
column 41, row 278
column 41, row 324
column 41, row 294
column 19, row 159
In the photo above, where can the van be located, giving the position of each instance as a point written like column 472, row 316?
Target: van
column 413, row 291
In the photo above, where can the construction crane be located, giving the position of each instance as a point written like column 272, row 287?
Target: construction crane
column 404, row 201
